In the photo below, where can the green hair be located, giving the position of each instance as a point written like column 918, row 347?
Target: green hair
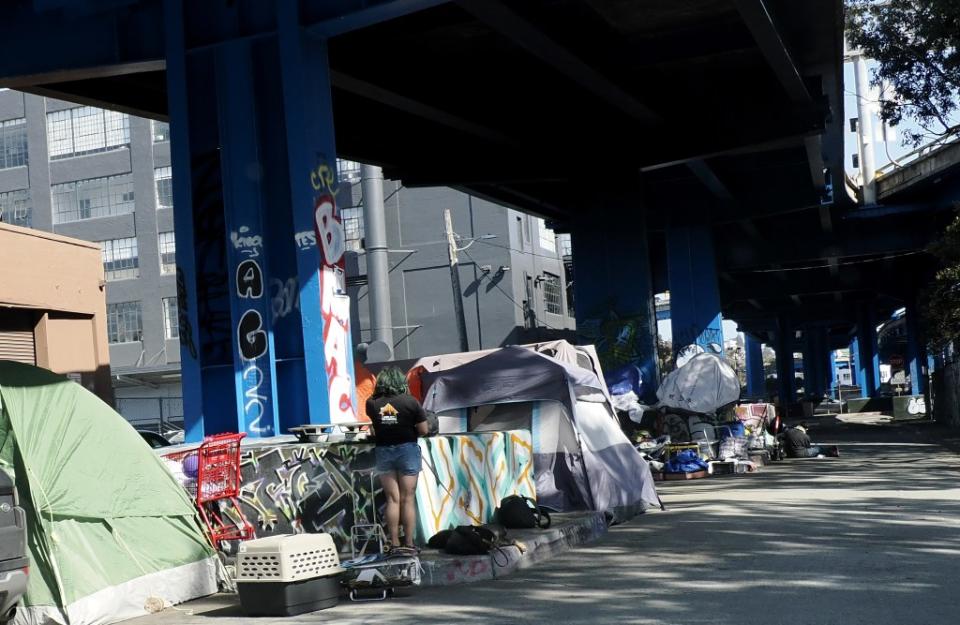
column 390, row 381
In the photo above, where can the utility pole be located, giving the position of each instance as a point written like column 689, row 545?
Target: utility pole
column 455, row 280
column 378, row 265
column 868, row 168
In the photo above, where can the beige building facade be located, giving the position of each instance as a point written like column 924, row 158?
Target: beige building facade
column 52, row 305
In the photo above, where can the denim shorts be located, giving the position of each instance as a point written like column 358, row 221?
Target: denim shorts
column 404, row 459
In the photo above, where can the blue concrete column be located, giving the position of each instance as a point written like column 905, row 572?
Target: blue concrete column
column 254, row 355
column 756, row 380
column 785, row 373
column 834, row 373
column 816, row 373
column 694, row 295
column 613, row 292
column 855, row 361
column 264, row 322
column 916, row 351
column 318, row 237
column 203, row 316
column 809, row 363
column 868, row 355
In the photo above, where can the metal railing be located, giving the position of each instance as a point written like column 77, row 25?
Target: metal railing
column 915, row 155
column 155, row 414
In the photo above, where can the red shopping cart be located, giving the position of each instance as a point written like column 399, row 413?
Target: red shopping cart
column 218, row 486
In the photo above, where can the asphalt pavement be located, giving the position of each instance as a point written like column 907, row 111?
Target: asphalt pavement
column 872, row 537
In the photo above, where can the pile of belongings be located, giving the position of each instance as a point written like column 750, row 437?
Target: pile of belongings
column 685, row 461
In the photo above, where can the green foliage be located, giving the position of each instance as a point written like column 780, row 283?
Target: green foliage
column 940, row 303
column 665, row 357
column 916, row 45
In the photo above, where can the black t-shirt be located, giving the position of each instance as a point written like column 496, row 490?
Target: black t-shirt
column 797, row 441
column 395, row 418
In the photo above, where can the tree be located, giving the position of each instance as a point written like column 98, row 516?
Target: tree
column 916, row 45
column 940, row 301
column 665, row 357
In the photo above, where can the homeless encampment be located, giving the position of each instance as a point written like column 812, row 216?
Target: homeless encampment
column 582, row 460
column 111, row 535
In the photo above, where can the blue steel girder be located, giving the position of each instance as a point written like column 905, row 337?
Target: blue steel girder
column 54, row 41
column 55, row 46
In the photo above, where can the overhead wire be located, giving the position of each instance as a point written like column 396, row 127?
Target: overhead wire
column 828, row 265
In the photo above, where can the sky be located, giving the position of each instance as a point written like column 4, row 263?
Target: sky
column 894, row 145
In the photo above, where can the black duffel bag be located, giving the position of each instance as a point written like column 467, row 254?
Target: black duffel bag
column 470, row 540
column 519, row 512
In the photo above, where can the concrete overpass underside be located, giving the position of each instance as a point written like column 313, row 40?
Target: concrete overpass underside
column 694, row 145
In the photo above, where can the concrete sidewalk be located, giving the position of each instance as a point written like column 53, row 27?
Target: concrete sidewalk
column 872, row 537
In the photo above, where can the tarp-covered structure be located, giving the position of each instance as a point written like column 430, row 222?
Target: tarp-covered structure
column 582, row 459
column 703, row 385
column 111, row 535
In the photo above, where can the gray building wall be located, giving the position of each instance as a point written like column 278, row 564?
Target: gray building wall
column 154, row 354
column 495, row 300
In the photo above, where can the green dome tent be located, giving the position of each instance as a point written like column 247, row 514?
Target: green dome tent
column 111, row 534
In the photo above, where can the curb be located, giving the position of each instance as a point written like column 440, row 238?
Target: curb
column 446, row 570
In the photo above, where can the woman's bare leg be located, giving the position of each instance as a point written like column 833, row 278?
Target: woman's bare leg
column 391, row 490
column 408, row 507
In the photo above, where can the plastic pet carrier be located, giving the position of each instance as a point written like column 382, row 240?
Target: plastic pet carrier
column 288, row 575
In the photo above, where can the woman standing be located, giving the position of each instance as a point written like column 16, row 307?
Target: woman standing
column 397, row 419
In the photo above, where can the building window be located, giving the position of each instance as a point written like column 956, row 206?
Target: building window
column 349, row 171
column 120, row 258
column 164, row 180
column 16, row 208
column 124, row 323
column 161, row 132
column 13, row 143
column 566, row 246
column 89, row 199
column 552, row 294
column 171, row 328
column 548, row 240
column 86, row 130
column 168, row 253
column 352, row 219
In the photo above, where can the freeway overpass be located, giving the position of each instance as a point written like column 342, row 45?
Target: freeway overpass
column 694, row 146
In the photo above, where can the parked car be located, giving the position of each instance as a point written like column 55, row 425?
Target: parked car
column 14, row 562
column 153, row 439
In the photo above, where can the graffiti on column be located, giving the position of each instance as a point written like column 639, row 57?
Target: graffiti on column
column 616, row 338
column 692, row 341
column 329, row 236
column 252, row 340
column 917, row 406
column 185, row 329
column 213, row 313
column 284, row 297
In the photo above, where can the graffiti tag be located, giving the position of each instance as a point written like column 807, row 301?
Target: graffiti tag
column 284, row 297
column 185, row 329
column 334, row 304
column 252, row 339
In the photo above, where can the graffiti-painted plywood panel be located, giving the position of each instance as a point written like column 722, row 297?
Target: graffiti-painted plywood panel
column 294, row 488
column 467, row 476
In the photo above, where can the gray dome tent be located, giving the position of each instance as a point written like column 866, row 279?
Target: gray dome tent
column 582, row 460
